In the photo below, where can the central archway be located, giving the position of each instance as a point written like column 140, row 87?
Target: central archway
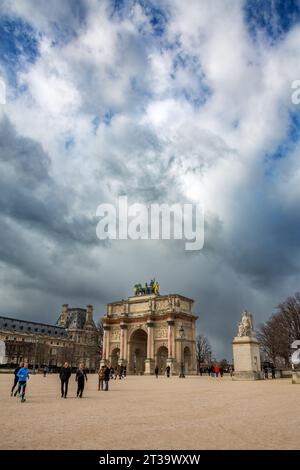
column 138, row 352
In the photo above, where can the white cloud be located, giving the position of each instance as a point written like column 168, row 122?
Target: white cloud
column 161, row 144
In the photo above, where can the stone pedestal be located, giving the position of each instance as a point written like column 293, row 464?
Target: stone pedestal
column 296, row 377
column 149, row 366
column 246, row 358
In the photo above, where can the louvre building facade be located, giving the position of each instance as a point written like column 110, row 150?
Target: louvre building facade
column 75, row 338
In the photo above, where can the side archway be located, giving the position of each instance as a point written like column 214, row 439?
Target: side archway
column 187, row 359
column 161, row 359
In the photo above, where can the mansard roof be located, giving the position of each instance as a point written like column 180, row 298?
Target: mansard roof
column 25, row 326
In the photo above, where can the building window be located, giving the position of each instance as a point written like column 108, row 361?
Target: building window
column 29, row 328
column 35, row 329
column 21, row 327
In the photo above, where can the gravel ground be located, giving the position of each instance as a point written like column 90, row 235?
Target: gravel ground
column 148, row 413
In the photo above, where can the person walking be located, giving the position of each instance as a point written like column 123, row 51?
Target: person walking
column 80, row 378
column 45, row 370
column 22, row 375
column 106, row 378
column 16, row 378
column 64, row 375
column 266, row 371
column 168, row 370
column 156, row 371
column 217, row 370
column 101, row 378
column 273, row 370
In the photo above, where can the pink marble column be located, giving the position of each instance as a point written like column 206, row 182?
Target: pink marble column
column 104, row 344
column 150, row 340
column 106, row 329
column 123, row 342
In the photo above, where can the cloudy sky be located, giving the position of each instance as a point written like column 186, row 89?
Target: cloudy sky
column 162, row 101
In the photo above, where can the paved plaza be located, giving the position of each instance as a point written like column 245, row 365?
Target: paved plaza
column 149, row 413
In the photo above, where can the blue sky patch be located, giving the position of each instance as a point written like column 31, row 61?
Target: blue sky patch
column 274, row 19
column 19, row 45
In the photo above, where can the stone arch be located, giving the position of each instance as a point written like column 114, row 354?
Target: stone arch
column 137, row 351
column 187, row 359
column 161, row 359
column 115, row 356
column 134, row 329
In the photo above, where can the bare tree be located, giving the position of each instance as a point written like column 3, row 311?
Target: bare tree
column 277, row 334
column 203, row 350
column 223, row 364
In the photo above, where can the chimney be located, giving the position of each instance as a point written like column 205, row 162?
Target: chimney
column 63, row 315
column 89, row 314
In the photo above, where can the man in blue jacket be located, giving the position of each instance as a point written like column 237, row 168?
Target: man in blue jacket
column 16, row 379
column 23, row 375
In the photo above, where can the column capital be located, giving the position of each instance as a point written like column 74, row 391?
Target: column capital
column 150, row 324
column 171, row 322
column 123, row 326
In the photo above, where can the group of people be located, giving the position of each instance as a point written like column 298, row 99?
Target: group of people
column 214, row 371
column 105, row 373
column 21, row 376
column 168, row 371
column 271, row 369
column 80, row 377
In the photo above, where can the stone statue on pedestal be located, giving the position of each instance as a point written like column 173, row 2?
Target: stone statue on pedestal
column 246, row 354
column 246, row 325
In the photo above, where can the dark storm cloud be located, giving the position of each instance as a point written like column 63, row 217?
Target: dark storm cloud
column 112, row 84
column 30, row 196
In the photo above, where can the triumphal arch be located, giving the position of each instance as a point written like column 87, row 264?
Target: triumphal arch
column 149, row 330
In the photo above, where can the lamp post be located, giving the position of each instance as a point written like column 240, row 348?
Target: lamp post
column 35, row 351
column 181, row 334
